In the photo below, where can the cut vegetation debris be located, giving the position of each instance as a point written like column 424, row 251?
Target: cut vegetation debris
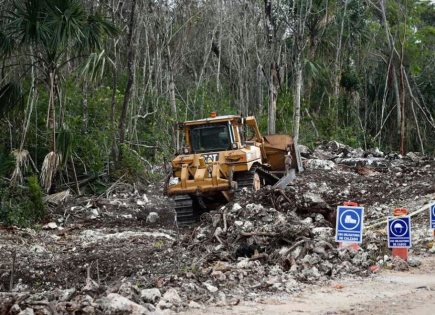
column 124, row 253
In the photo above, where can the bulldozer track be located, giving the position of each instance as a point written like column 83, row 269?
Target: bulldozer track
column 185, row 209
column 246, row 179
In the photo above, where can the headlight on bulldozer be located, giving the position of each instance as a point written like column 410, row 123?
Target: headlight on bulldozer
column 174, row 181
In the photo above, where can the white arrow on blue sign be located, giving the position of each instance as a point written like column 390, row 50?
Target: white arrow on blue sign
column 399, row 232
column 349, row 225
column 432, row 216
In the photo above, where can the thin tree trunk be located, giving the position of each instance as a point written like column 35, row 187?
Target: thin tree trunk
column 297, row 100
column 273, row 95
column 218, row 72
column 402, row 120
column 397, row 94
column 417, row 125
column 259, row 77
column 85, row 106
column 274, row 78
column 337, row 63
column 392, row 48
column 130, row 74
column 172, row 99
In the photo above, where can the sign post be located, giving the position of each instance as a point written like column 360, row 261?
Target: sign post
column 399, row 233
column 349, row 226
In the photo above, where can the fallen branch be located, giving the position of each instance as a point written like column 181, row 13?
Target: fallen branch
column 384, row 221
column 249, row 234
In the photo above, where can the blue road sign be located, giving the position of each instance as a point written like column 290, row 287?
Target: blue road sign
column 399, row 232
column 432, row 216
column 349, row 224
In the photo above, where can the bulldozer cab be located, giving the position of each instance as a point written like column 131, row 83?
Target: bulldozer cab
column 211, row 137
column 213, row 134
column 219, row 133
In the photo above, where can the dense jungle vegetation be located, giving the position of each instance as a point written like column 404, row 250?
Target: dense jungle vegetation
column 90, row 90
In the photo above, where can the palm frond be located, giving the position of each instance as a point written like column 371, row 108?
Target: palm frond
column 22, row 159
column 64, row 145
column 6, row 44
column 11, row 97
column 97, row 28
column 25, row 22
column 95, row 65
column 49, row 169
column 66, row 19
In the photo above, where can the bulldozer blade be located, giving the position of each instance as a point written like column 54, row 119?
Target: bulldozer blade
column 284, row 181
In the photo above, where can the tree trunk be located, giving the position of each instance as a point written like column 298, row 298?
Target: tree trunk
column 273, row 95
column 337, row 70
column 130, row 74
column 218, row 72
column 85, row 106
column 259, row 77
column 398, row 104
column 172, row 99
column 402, row 117
column 297, row 100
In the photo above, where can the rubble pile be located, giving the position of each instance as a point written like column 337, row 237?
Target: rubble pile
column 121, row 253
column 249, row 233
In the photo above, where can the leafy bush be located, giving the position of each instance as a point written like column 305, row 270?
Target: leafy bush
column 20, row 206
column 130, row 165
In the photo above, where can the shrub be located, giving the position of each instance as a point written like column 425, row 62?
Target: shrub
column 22, row 206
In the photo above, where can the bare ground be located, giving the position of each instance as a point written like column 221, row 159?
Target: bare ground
column 390, row 292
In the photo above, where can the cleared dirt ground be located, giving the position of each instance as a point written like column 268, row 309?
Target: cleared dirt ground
column 390, row 292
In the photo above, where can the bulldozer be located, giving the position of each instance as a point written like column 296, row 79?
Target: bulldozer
column 219, row 157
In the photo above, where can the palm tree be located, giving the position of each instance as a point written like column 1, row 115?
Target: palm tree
column 54, row 34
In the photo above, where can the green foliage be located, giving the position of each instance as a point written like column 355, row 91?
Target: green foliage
column 64, row 144
column 22, row 207
column 10, row 97
column 130, row 165
column 6, row 164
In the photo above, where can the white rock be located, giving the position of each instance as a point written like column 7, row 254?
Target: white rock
column 413, row 262
column 247, row 226
column 50, row 226
column 244, row 263
column 114, row 304
column 320, row 164
column 304, row 150
column 15, row 309
column 319, row 217
column 171, row 296
column 93, row 213
column 145, row 198
column 152, row 217
column 150, row 295
column 236, row 207
column 322, row 233
column 307, row 220
column 193, row 304
column 27, row 311
column 37, row 249
column 210, row 287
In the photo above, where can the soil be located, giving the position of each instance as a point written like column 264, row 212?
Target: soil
column 111, row 240
column 390, row 292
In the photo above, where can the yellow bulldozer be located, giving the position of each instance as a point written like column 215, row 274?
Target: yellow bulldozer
column 222, row 155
